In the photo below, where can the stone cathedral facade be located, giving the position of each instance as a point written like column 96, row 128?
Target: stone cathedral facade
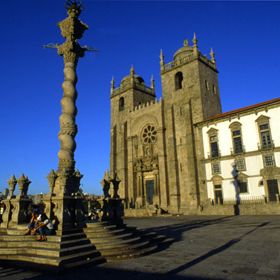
column 158, row 147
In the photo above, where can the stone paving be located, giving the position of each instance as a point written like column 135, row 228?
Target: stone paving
column 240, row 247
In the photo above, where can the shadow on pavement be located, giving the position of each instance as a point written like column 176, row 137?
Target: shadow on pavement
column 211, row 253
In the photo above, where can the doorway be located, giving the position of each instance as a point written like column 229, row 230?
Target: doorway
column 272, row 188
column 150, row 191
column 218, row 194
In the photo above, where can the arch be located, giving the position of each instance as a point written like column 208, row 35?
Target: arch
column 217, row 180
column 262, row 119
column 179, row 80
column 212, row 131
column 121, row 104
column 235, row 125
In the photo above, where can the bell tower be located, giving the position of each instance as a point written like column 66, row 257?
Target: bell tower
column 191, row 94
column 193, row 77
column 132, row 92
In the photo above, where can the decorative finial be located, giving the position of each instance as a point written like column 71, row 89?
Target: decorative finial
column 161, row 56
column 112, row 84
column 186, row 43
column 152, row 82
column 194, row 39
column 73, row 4
column 212, row 55
column 195, row 47
column 132, row 71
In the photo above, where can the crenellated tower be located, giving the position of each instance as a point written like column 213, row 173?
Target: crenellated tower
column 132, row 92
column 191, row 94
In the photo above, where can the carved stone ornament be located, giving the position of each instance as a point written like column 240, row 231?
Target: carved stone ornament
column 51, row 179
column 12, row 182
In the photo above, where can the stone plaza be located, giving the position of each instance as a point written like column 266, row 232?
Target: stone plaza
column 216, row 247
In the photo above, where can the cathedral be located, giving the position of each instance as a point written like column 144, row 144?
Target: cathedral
column 181, row 154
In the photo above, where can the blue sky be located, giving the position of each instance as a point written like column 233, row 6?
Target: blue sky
column 244, row 35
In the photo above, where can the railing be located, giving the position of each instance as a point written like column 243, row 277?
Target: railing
column 212, row 155
column 266, row 146
column 246, row 200
column 235, row 152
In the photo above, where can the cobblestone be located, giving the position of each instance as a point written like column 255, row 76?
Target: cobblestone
column 230, row 248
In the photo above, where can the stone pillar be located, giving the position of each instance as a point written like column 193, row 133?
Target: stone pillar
column 65, row 194
column 19, row 204
column 163, row 187
column 7, row 215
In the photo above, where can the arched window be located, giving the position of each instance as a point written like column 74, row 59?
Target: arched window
column 213, row 140
column 121, row 104
column 178, row 80
column 236, row 135
column 266, row 141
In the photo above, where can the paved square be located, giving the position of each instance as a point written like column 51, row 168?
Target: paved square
column 239, row 247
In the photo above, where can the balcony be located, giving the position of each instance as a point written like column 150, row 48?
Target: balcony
column 237, row 151
column 214, row 154
column 266, row 146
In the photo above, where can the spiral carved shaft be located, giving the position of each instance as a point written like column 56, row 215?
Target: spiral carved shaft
column 72, row 29
column 68, row 127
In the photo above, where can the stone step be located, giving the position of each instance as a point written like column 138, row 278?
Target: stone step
column 116, row 242
column 47, row 245
column 49, row 252
column 65, row 261
column 105, row 232
column 102, row 229
column 99, row 225
column 118, row 248
column 53, row 238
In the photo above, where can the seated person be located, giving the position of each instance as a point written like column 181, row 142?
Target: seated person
column 32, row 224
column 44, row 226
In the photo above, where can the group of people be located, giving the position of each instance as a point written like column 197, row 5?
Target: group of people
column 40, row 224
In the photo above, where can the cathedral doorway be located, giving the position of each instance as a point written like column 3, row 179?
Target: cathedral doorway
column 150, row 184
column 273, row 191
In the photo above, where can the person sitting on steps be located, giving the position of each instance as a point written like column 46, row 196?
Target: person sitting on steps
column 32, row 224
column 44, row 227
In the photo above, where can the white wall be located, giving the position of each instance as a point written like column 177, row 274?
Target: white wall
column 250, row 138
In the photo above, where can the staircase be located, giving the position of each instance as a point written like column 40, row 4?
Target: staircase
column 121, row 242
column 70, row 249
column 97, row 243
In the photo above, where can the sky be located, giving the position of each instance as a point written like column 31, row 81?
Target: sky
column 244, row 35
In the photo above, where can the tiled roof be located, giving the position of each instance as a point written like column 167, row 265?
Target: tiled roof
column 241, row 110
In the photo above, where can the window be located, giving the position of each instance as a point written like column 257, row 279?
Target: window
column 240, row 164
column 213, row 141
column 265, row 136
column 236, row 138
column 242, row 183
column 121, row 104
column 178, row 80
column 243, row 187
column 206, row 85
column 149, row 134
column 268, row 160
column 216, row 168
column 214, row 146
column 214, row 89
column 264, row 133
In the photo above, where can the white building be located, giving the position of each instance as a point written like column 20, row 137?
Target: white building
column 242, row 154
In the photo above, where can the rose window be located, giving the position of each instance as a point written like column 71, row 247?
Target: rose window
column 149, row 134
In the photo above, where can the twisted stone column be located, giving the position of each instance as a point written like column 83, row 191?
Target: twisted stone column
column 68, row 127
column 64, row 204
column 72, row 29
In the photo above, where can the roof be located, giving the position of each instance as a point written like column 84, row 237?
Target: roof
column 242, row 110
